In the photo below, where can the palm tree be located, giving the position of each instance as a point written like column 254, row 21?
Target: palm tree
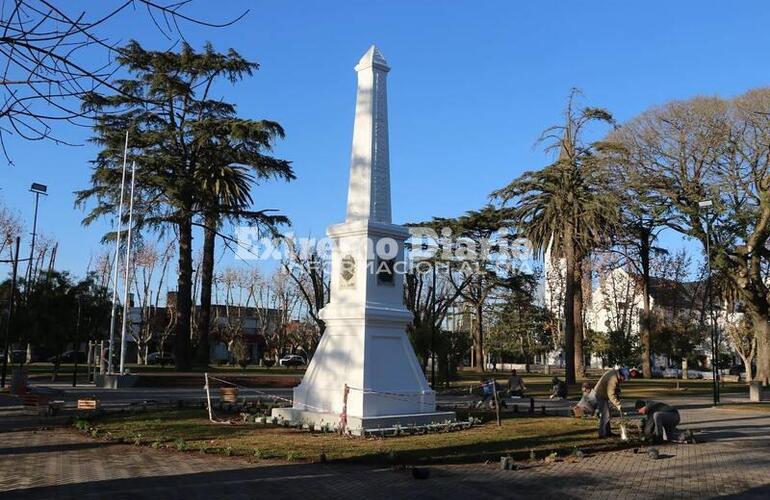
column 225, row 180
column 564, row 206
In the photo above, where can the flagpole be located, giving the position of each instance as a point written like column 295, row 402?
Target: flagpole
column 126, row 281
column 115, row 264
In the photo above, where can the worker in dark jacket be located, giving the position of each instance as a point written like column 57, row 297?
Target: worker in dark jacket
column 660, row 420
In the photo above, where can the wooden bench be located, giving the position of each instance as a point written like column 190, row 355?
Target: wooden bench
column 40, row 404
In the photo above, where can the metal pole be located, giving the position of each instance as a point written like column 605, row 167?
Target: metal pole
column 101, row 358
column 433, row 332
column 11, row 305
column 115, row 266
column 208, row 396
column 32, row 245
column 89, row 360
column 77, row 348
column 127, row 281
column 714, row 347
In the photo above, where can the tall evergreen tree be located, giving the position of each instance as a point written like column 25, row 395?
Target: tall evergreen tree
column 176, row 128
column 474, row 270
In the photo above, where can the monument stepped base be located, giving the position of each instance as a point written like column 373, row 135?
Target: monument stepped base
column 357, row 425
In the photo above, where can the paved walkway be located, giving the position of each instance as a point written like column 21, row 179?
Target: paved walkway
column 733, row 460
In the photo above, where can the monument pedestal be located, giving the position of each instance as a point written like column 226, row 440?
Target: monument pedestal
column 358, row 426
column 115, row 381
column 364, row 373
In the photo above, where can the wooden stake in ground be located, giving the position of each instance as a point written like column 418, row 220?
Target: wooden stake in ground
column 497, row 402
column 208, row 396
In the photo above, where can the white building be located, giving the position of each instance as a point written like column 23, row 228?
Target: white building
column 617, row 302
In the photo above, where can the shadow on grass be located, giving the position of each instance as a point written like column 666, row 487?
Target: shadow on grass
column 519, row 449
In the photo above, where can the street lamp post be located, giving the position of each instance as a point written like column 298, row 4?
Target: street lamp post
column 433, row 331
column 706, row 205
column 37, row 189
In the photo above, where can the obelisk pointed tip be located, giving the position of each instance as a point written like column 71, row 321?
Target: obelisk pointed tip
column 373, row 57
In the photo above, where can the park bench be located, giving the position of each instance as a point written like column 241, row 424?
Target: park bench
column 40, row 404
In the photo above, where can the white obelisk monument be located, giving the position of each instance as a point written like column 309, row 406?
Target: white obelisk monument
column 364, row 373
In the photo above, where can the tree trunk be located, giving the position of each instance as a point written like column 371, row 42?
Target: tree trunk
column 578, row 319
column 763, row 351
column 207, row 280
column 183, row 308
column 478, row 345
column 644, row 323
column 747, row 364
column 56, row 365
column 569, row 310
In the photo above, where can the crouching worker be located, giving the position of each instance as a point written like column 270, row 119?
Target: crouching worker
column 660, row 421
column 559, row 389
column 586, row 407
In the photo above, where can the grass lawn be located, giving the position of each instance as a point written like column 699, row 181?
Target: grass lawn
column 190, row 430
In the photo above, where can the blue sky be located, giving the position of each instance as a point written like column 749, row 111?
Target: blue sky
column 472, row 86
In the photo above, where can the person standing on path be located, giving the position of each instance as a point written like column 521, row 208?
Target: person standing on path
column 607, row 392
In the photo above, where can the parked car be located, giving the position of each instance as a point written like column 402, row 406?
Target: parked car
column 291, row 360
column 69, row 357
column 635, row 373
column 672, row 373
column 17, row 356
column 156, row 358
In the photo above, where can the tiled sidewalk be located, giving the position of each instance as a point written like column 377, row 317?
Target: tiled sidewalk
column 735, row 460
